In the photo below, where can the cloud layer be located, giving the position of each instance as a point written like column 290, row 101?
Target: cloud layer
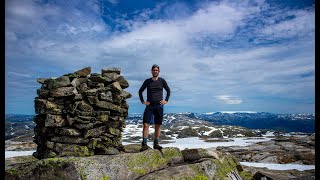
column 215, row 55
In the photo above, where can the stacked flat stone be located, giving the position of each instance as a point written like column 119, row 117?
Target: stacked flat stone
column 81, row 114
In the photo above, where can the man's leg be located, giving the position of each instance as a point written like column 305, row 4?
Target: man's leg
column 157, row 131
column 156, row 137
column 145, row 135
column 146, row 124
column 145, row 132
column 158, row 122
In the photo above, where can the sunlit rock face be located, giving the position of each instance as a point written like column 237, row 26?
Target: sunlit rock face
column 169, row 163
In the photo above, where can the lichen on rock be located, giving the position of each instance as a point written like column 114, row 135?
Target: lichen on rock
column 150, row 164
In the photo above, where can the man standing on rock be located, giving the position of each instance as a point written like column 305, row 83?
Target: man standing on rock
column 153, row 113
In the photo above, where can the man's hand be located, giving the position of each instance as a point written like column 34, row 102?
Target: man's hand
column 163, row 102
column 146, row 103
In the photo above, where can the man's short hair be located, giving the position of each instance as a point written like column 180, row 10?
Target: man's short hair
column 155, row 66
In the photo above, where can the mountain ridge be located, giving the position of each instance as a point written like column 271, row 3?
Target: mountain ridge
column 23, row 124
column 301, row 122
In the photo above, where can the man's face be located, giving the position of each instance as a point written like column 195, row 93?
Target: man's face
column 155, row 72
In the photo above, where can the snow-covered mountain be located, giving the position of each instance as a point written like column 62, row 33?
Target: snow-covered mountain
column 247, row 122
column 249, row 119
column 262, row 120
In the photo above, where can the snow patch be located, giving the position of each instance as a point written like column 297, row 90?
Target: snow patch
column 268, row 133
column 232, row 112
column 9, row 154
column 298, row 167
column 195, row 142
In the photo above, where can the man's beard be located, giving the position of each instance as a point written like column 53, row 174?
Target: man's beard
column 155, row 75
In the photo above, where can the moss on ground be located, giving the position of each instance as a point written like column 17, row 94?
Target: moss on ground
column 245, row 175
column 198, row 177
column 200, row 173
column 224, row 167
column 83, row 176
column 142, row 163
column 41, row 165
column 171, row 153
column 105, row 177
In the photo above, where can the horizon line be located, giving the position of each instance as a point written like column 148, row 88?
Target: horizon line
column 211, row 112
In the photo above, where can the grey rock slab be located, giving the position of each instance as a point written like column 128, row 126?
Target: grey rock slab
column 125, row 94
column 196, row 154
column 43, row 106
column 100, row 79
column 83, row 72
column 109, row 106
column 106, row 96
column 62, row 81
column 41, row 80
column 111, row 70
column 84, row 126
column 204, row 169
column 95, row 132
column 75, row 82
column 116, row 87
column 111, row 76
column 141, row 165
column 68, row 131
column 123, row 82
column 55, row 121
column 64, row 91
column 83, row 87
column 43, row 93
column 69, row 140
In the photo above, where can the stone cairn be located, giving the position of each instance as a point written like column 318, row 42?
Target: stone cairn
column 81, row 114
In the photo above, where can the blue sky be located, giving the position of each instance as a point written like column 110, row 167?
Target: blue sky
column 253, row 55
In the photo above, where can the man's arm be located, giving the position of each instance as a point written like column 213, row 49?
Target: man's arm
column 142, row 88
column 166, row 87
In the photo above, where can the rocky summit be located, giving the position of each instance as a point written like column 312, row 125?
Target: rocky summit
column 82, row 120
column 81, row 113
column 169, row 163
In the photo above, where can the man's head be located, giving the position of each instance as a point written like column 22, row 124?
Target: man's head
column 155, row 70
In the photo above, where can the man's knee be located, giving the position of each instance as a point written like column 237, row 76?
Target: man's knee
column 146, row 125
column 157, row 126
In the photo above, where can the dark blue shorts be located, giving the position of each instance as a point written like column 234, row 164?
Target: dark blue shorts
column 153, row 114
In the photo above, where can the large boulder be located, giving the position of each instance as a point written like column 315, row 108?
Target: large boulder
column 110, row 70
column 62, row 81
column 150, row 164
column 43, row 106
column 67, row 131
column 195, row 154
column 83, row 72
column 123, row 82
column 80, row 73
column 64, row 91
column 55, row 121
column 109, row 106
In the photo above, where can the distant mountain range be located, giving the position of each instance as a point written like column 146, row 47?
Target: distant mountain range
column 18, row 125
column 22, row 125
column 252, row 120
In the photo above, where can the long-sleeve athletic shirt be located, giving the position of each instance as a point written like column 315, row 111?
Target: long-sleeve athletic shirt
column 154, row 90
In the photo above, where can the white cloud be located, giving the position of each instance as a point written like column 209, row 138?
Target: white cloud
column 114, row 2
column 19, row 74
column 229, row 99
column 197, row 52
column 298, row 23
column 28, row 16
column 220, row 19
